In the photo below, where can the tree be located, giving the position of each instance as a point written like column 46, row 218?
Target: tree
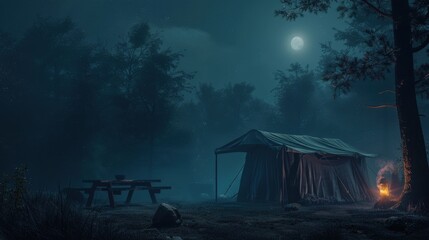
column 409, row 27
column 63, row 99
column 226, row 110
column 150, row 85
column 43, row 93
column 218, row 114
column 293, row 105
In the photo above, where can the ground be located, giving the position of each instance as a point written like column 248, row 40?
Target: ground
column 262, row 221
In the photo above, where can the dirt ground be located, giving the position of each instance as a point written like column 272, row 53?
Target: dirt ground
column 262, row 221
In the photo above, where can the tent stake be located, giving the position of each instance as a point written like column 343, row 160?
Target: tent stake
column 216, row 178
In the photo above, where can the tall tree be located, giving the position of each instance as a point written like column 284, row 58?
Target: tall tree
column 292, row 103
column 40, row 98
column 150, row 84
column 226, row 110
column 409, row 27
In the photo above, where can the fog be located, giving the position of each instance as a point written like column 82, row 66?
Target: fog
column 150, row 89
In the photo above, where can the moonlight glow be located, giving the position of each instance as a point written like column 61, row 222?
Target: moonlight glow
column 297, row 43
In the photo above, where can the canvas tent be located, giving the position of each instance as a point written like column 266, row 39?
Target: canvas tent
column 287, row 168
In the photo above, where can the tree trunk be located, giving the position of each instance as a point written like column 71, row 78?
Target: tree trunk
column 415, row 195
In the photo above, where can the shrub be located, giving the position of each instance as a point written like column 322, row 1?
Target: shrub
column 25, row 215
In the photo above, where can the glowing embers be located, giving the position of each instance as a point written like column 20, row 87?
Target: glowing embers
column 385, row 200
column 389, row 186
column 383, row 188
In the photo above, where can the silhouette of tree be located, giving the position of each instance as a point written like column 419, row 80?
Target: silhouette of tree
column 64, row 99
column 43, row 76
column 409, row 28
column 149, row 84
column 294, row 105
column 227, row 109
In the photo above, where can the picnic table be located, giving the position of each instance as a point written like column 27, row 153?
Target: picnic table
column 116, row 187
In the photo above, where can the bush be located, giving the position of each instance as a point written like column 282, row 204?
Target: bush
column 25, row 215
column 13, row 189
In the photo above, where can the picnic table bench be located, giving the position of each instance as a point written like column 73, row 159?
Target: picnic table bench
column 116, row 187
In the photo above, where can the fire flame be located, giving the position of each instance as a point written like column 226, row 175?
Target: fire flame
column 384, row 190
column 383, row 179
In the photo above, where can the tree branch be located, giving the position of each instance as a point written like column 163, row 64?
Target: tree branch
column 376, row 9
column 386, row 91
column 383, row 106
column 422, row 45
column 421, row 80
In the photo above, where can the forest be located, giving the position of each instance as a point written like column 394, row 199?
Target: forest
column 74, row 106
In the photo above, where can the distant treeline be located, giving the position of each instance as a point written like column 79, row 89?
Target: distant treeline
column 70, row 105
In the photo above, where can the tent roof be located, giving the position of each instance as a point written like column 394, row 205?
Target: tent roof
column 299, row 143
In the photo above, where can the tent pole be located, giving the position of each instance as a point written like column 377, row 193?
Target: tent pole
column 216, row 178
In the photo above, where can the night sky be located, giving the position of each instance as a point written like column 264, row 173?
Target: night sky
column 222, row 41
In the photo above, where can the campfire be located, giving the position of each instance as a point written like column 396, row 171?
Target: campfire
column 385, row 201
column 385, row 178
column 383, row 188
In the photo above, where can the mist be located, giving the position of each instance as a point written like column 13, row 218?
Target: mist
column 76, row 105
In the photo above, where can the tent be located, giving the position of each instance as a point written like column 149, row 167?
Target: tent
column 288, row 168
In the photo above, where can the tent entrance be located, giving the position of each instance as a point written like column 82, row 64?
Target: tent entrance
column 261, row 180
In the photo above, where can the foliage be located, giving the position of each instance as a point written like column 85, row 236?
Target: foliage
column 294, row 104
column 297, row 8
column 49, row 216
column 26, row 215
column 422, row 79
column 44, row 82
column 13, row 189
column 148, row 82
column 69, row 94
column 231, row 109
column 370, row 52
column 217, row 115
column 409, row 21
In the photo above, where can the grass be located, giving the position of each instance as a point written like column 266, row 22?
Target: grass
column 25, row 215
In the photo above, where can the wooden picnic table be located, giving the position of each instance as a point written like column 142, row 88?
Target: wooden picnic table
column 115, row 187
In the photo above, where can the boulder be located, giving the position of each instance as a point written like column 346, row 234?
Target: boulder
column 174, row 238
column 292, row 207
column 166, row 216
column 310, row 199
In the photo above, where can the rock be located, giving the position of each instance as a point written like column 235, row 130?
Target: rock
column 222, row 197
column 292, row 207
column 174, row 238
column 309, row 199
column 166, row 216
column 152, row 233
column 205, row 196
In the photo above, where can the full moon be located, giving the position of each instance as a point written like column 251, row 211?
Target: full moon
column 297, row 43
